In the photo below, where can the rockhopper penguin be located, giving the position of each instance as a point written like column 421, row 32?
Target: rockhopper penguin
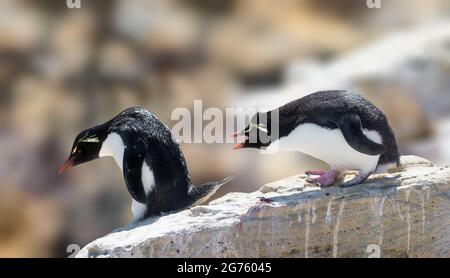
column 341, row 128
column 152, row 163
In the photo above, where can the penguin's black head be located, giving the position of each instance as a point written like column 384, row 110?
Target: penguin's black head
column 86, row 147
column 256, row 134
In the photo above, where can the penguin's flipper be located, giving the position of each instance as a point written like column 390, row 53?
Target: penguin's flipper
column 133, row 159
column 351, row 128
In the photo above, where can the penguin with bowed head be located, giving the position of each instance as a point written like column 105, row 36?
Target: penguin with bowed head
column 151, row 160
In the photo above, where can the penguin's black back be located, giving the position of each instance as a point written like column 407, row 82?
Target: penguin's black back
column 163, row 156
column 318, row 108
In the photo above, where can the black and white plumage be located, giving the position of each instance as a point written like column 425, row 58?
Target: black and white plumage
column 341, row 128
column 153, row 165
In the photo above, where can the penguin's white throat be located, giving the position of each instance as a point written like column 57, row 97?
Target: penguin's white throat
column 113, row 146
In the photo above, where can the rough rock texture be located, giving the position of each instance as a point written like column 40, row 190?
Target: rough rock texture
column 399, row 214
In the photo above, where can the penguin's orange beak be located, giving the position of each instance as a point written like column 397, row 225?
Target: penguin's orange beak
column 235, row 135
column 238, row 146
column 68, row 164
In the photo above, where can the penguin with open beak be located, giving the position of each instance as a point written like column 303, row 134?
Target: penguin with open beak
column 341, row 128
column 152, row 163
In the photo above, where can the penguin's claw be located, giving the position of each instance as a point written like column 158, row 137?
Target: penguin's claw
column 360, row 178
column 313, row 180
column 348, row 184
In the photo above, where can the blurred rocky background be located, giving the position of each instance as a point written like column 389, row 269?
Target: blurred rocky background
column 62, row 70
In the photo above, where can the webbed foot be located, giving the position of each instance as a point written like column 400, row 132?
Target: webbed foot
column 325, row 178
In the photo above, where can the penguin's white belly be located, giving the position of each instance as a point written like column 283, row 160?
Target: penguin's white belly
column 138, row 209
column 148, row 181
column 330, row 146
column 114, row 146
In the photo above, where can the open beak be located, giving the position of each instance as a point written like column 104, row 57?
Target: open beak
column 238, row 146
column 236, row 135
column 68, row 164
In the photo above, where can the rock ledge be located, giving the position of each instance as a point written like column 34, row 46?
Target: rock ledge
column 401, row 214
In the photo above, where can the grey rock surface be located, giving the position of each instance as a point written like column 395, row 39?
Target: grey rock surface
column 399, row 214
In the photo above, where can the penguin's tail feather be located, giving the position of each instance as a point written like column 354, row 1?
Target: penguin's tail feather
column 200, row 194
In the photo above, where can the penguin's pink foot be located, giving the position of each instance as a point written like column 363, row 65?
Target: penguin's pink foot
column 315, row 172
column 324, row 178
